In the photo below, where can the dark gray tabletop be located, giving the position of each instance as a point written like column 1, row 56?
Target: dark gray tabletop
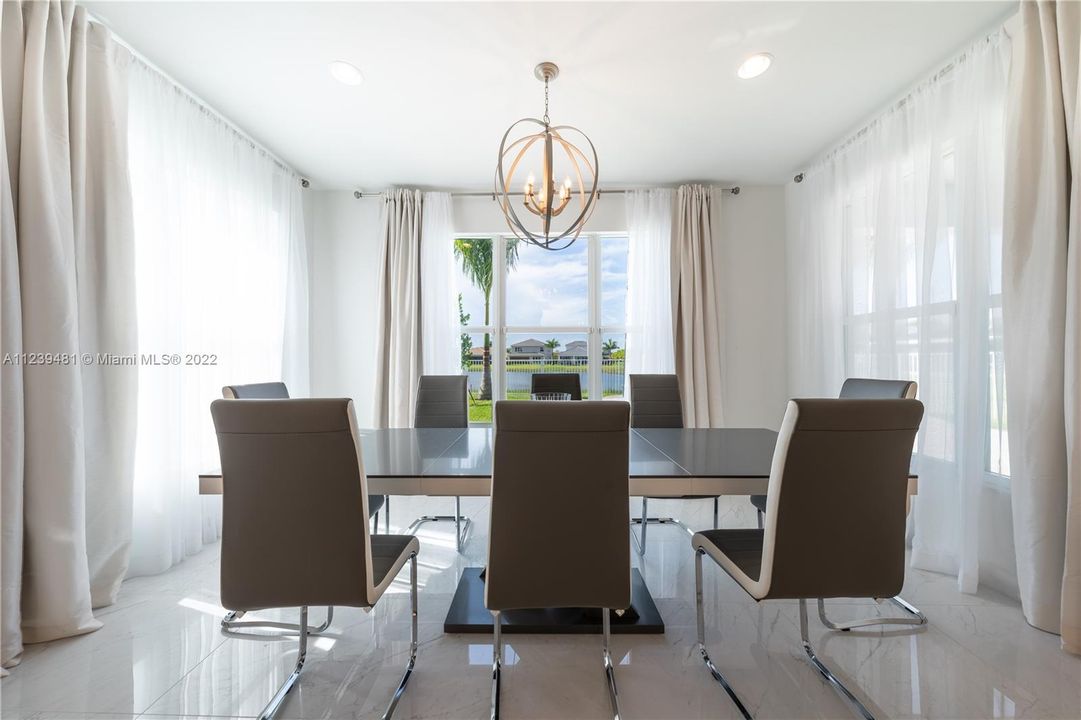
column 726, row 452
column 402, row 452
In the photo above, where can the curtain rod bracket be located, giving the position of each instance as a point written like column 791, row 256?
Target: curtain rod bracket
column 798, row 178
column 305, row 183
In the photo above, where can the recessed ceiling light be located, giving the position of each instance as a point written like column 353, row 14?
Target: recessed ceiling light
column 346, row 73
column 754, row 66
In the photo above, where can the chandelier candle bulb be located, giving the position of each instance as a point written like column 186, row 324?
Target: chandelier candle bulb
column 553, row 197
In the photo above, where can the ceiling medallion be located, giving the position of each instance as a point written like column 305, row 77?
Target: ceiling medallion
column 576, row 195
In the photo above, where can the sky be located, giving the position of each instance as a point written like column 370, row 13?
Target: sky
column 550, row 288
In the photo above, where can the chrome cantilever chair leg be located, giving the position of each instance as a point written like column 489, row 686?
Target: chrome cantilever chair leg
column 645, row 521
column 918, row 618
column 609, row 666
column 826, row 673
column 279, row 697
column 702, row 638
column 497, row 660
column 462, row 524
column 609, row 669
column 271, row 710
column 412, row 639
column 232, row 621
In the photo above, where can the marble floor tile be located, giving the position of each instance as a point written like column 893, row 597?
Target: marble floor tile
column 161, row 653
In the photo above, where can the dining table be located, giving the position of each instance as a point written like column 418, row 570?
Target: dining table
column 663, row 463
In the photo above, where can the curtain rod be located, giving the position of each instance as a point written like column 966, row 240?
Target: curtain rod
column 360, row 195
column 940, row 75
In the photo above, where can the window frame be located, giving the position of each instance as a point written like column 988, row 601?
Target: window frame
column 874, row 314
column 594, row 330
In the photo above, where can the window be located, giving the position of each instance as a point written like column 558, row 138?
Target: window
column 902, row 314
column 526, row 310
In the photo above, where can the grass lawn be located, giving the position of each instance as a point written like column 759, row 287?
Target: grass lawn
column 480, row 411
column 609, row 366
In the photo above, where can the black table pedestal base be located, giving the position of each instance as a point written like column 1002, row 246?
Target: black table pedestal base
column 467, row 613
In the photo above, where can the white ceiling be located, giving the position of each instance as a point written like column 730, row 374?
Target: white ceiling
column 653, row 84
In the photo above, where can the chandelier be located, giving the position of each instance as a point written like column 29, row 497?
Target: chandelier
column 551, row 203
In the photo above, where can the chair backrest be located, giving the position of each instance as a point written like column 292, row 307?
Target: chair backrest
column 835, row 513
column 441, row 402
column 872, row 389
column 295, row 504
column 256, row 391
column 557, row 383
column 655, row 401
column 559, row 513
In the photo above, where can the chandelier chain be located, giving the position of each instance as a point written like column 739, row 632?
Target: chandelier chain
column 546, row 120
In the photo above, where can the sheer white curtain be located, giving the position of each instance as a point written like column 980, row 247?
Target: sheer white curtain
column 813, row 255
column 909, row 216
column 649, row 282
column 221, row 266
column 439, row 322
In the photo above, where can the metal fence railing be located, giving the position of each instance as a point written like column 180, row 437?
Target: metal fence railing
column 519, row 372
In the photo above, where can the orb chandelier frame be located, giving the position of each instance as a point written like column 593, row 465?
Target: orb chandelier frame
column 550, row 200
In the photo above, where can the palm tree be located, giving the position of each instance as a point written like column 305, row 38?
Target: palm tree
column 475, row 256
column 609, row 346
column 552, row 344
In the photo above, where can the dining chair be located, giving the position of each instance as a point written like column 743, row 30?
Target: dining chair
column 857, row 388
column 656, row 403
column 835, row 519
column 295, row 529
column 586, row 564
column 256, row 391
column 441, row 403
column 279, row 391
column 569, row 383
column 867, row 389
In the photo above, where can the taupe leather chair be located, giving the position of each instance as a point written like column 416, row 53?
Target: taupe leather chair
column 570, row 383
column 867, row 389
column 587, row 563
column 656, row 403
column 441, row 403
column 256, row 391
column 295, row 519
column 853, row 389
column 278, row 391
column 835, row 519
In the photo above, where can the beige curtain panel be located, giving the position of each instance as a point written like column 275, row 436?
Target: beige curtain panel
column 698, row 339
column 66, row 266
column 1041, row 277
column 398, row 362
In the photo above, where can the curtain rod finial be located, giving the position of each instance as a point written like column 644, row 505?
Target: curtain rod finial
column 305, row 183
column 798, row 178
column 358, row 194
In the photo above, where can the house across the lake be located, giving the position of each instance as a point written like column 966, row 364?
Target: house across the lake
column 576, row 349
column 531, row 349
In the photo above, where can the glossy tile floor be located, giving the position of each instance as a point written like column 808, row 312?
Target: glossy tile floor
column 161, row 653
